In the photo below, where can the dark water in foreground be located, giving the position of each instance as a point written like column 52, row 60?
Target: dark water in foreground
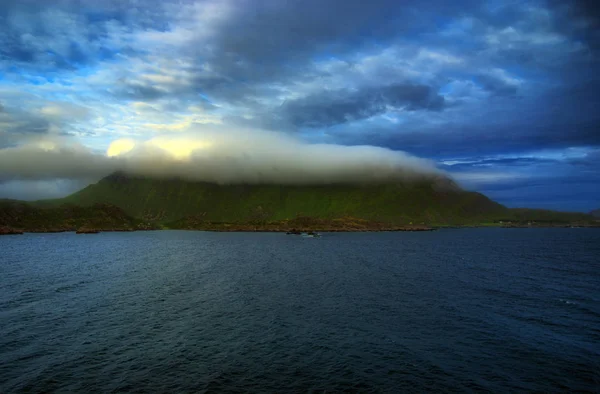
column 463, row 310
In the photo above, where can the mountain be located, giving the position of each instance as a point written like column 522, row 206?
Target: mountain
column 430, row 201
column 595, row 213
column 125, row 202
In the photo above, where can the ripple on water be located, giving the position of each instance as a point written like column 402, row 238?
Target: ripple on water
column 469, row 310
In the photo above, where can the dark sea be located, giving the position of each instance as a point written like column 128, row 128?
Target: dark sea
column 463, row 310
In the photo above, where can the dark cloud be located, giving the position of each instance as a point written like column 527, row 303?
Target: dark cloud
column 556, row 118
column 140, row 91
column 19, row 124
column 590, row 160
column 556, row 181
column 484, row 162
column 496, row 85
column 589, row 10
column 331, row 108
column 469, row 78
column 463, row 139
column 68, row 34
column 267, row 37
column 15, row 121
column 579, row 19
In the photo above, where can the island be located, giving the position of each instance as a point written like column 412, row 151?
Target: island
column 125, row 202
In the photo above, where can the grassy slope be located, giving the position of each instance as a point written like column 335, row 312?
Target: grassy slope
column 27, row 217
column 169, row 200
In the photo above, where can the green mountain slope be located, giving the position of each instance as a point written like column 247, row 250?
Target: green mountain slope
column 27, row 217
column 427, row 201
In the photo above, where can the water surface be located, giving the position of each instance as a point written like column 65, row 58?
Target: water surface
column 175, row 311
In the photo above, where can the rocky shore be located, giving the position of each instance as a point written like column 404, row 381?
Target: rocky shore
column 551, row 225
column 85, row 230
column 18, row 217
column 10, row 231
column 298, row 225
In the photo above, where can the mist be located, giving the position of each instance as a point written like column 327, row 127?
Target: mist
column 215, row 155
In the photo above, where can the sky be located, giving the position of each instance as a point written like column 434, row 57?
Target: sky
column 503, row 96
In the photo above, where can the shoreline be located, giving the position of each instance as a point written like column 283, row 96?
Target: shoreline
column 243, row 229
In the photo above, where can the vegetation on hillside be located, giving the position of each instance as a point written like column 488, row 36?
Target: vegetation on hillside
column 18, row 216
column 169, row 201
column 120, row 202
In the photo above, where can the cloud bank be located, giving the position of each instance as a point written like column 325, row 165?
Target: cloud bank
column 469, row 81
column 235, row 156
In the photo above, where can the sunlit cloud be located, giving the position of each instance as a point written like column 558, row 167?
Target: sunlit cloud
column 120, row 147
column 179, row 148
column 235, row 156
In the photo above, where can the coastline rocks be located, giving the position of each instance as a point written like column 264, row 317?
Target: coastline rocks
column 86, row 230
column 416, row 228
column 10, row 231
column 49, row 230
